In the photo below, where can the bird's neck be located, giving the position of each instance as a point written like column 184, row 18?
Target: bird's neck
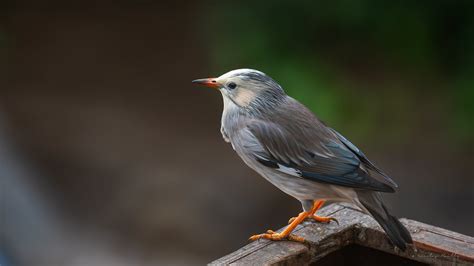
column 230, row 114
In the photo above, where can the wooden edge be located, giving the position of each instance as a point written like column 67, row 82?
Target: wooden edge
column 433, row 244
column 444, row 243
column 260, row 245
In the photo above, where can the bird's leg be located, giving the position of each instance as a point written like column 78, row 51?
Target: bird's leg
column 285, row 233
column 316, row 206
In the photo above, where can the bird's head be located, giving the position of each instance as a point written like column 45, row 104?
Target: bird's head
column 247, row 88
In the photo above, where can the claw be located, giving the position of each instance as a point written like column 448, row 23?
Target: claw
column 291, row 220
column 255, row 237
column 334, row 219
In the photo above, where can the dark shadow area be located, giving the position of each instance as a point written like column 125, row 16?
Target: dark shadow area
column 359, row 255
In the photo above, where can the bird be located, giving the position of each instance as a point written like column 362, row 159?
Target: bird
column 284, row 142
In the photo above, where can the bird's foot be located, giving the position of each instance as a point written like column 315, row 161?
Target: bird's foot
column 272, row 235
column 320, row 219
column 285, row 234
column 324, row 219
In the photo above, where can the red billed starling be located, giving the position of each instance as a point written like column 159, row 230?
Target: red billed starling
column 289, row 146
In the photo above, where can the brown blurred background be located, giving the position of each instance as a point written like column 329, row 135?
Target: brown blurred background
column 108, row 155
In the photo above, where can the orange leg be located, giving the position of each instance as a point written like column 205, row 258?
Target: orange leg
column 316, row 206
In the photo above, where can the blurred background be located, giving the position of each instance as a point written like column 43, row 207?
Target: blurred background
column 109, row 156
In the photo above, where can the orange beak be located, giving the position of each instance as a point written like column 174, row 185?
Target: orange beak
column 209, row 82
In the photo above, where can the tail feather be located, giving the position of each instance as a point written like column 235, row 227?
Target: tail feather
column 397, row 233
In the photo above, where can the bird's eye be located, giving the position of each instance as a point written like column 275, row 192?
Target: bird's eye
column 232, row 85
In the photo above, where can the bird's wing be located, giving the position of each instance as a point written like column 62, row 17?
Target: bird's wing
column 364, row 160
column 313, row 153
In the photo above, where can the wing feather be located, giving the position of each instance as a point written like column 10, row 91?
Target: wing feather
column 326, row 157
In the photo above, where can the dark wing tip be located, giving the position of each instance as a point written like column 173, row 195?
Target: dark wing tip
column 388, row 189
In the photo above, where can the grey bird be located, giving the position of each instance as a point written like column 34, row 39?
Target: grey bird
column 289, row 146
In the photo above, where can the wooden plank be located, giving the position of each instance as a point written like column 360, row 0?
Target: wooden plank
column 442, row 243
column 433, row 245
column 263, row 251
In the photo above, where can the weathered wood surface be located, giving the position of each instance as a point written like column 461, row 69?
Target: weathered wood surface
column 433, row 245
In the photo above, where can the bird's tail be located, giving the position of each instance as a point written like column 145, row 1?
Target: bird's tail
column 397, row 233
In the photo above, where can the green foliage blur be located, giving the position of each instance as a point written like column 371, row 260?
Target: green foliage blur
column 400, row 67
